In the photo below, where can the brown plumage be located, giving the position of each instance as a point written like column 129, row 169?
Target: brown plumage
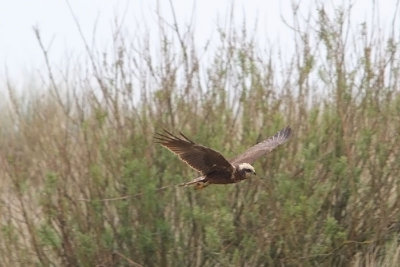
column 214, row 168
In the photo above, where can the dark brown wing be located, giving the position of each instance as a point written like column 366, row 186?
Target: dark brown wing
column 200, row 158
column 254, row 152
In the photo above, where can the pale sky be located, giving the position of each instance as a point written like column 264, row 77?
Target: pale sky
column 20, row 53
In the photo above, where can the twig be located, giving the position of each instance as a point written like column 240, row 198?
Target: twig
column 128, row 196
column 128, row 259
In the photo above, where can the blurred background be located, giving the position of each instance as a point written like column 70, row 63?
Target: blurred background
column 85, row 85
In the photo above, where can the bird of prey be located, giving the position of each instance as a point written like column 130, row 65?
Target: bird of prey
column 214, row 168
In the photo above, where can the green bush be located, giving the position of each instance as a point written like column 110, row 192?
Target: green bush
column 84, row 184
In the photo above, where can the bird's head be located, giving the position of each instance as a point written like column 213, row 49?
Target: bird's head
column 247, row 169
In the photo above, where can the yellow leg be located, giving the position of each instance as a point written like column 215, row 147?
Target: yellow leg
column 201, row 185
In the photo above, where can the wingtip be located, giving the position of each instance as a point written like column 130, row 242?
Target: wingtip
column 157, row 136
column 288, row 131
column 161, row 137
column 285, row 133
column 187, row 139
column 167, row 132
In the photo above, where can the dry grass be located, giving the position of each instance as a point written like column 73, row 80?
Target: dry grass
column 327, row 197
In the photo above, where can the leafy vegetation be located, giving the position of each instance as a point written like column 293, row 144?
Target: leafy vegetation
column 83, row 184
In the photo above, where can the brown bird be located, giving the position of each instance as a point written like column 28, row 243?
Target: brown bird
column 214, row 168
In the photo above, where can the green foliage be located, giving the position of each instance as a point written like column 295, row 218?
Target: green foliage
column 48, row 236
column 84, row 184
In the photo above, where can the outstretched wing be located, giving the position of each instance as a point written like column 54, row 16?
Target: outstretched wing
column 254, row 152
column 200, row 158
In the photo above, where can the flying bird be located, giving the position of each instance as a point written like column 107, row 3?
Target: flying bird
column 215, row 168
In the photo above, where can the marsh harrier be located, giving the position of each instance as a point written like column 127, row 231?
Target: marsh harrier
column 214, row 168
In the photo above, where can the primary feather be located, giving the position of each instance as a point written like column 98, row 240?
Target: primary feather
column 266, row 146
